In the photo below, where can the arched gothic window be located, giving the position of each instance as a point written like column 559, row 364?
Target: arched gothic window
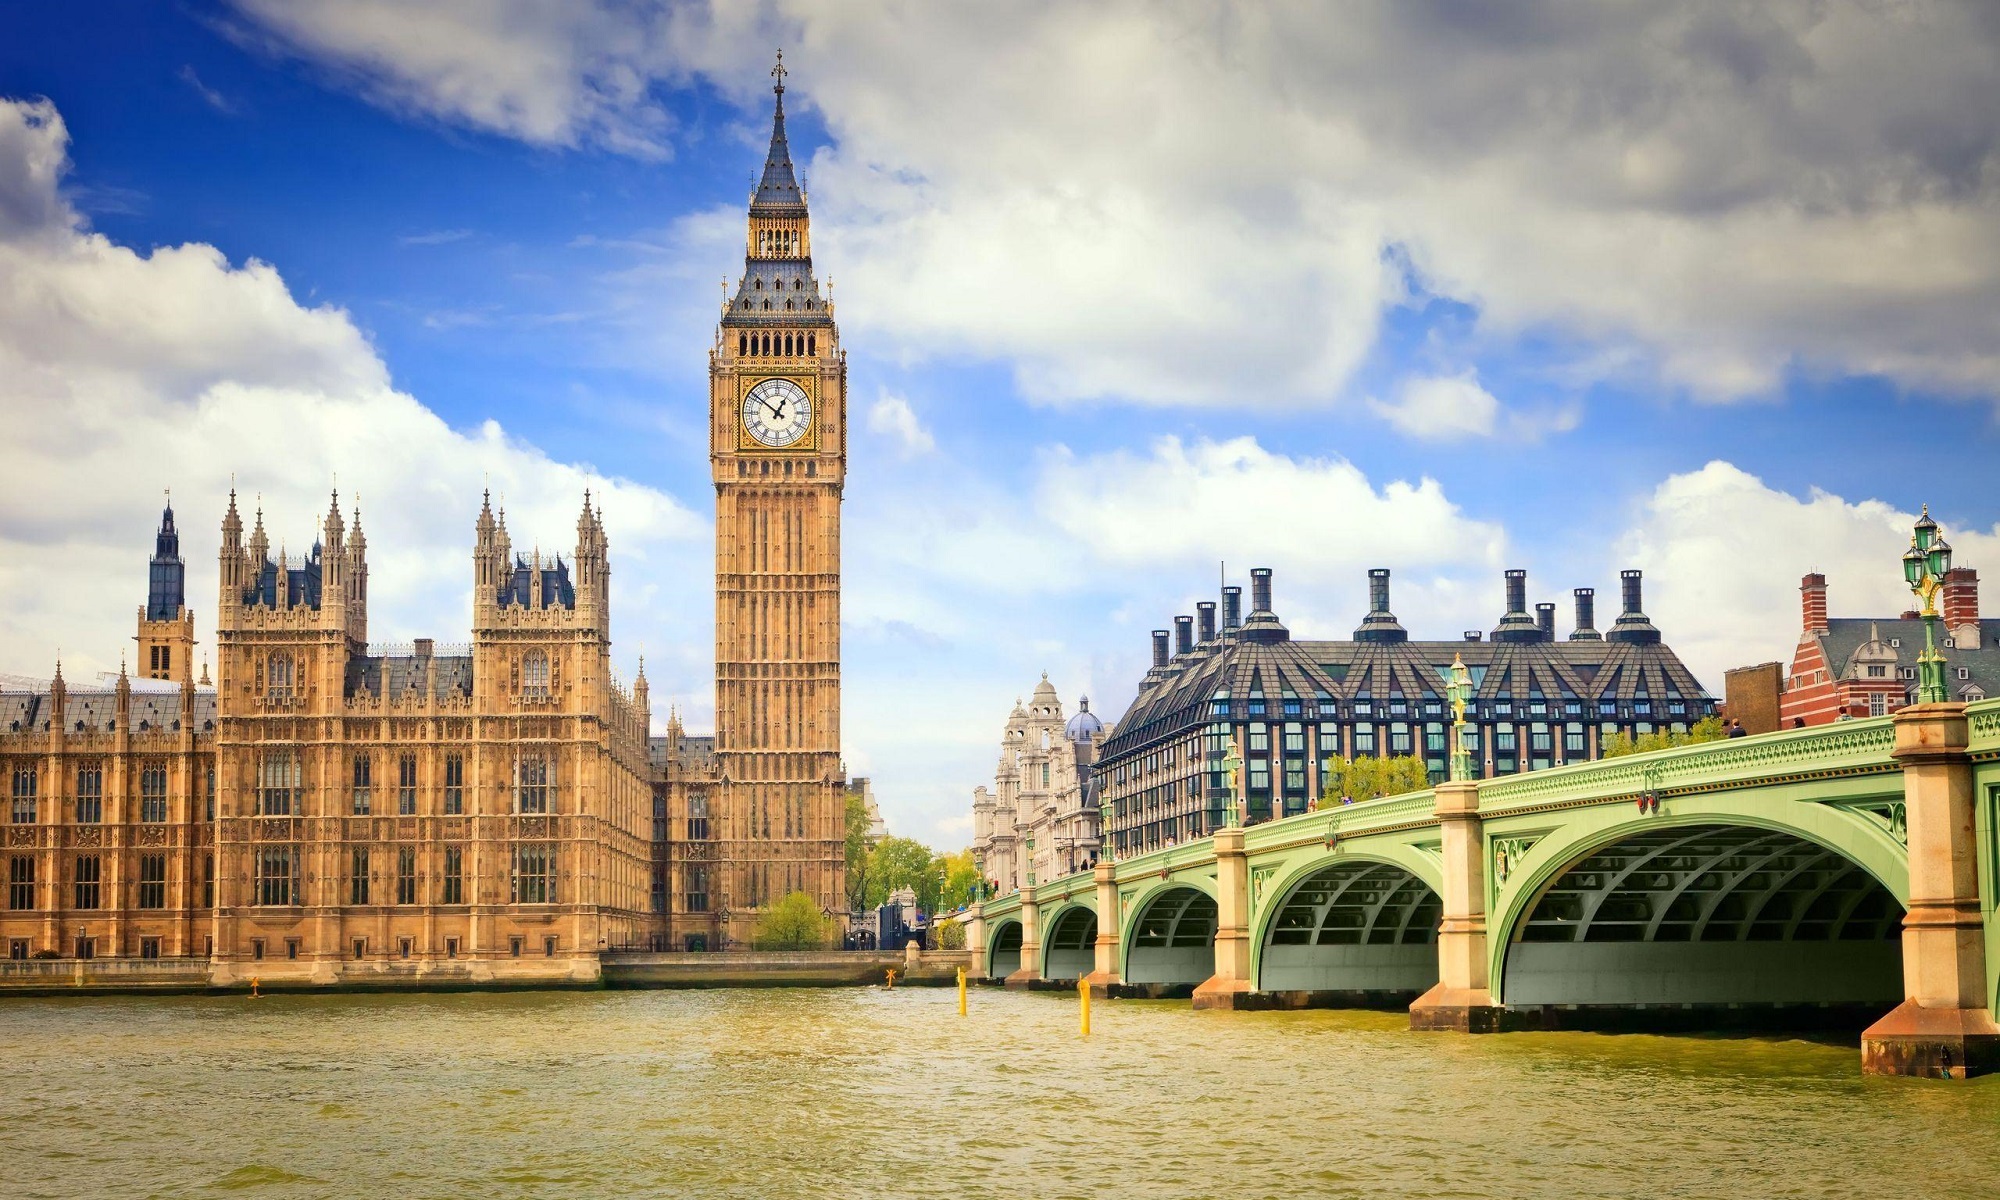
column 278, row 676
column 535, row 675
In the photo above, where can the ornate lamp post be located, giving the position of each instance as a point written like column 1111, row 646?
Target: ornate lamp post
column 1456, row 691
column 1924, row 566
column 1232, row 765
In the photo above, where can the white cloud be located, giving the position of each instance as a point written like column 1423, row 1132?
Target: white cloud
column 892, row 417
column 123, row 375
column 1441, row 408
column 1194, row 204
column 1455, row 407
column 1723, row 553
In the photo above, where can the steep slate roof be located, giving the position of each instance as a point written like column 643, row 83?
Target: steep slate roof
column 695, row 753
column 400, row 675
column 1846, row 635
column 1260, row 656
column 25, row 712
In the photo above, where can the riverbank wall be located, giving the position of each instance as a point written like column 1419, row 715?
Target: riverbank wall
column 616, row 969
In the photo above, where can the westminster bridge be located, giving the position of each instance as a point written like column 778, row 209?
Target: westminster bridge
column 1793, row 877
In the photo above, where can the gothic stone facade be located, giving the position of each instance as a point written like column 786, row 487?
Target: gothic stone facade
column 778, row 447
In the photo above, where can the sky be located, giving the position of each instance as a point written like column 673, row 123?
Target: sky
column 1133, row 295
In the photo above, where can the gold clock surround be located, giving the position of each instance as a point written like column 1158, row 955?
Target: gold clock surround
column 808, row 442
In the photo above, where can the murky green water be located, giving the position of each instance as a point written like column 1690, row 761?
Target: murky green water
column 867, row 1093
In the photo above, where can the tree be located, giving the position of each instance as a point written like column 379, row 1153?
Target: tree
column 961, row 877
column 1367, row 777
column 794, row 923
column 899, row 862
column 1708, row 729
column 857, row 852
column 950, row 935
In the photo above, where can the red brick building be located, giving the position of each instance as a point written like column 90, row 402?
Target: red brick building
column 1867, row 666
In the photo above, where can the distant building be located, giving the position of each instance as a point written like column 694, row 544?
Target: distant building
column 1751, row 696
column 1288, row 707
column 1867, row 666
column 877, row 827
column 1040, row 821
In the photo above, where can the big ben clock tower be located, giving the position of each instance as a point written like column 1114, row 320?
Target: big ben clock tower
column 778, row 444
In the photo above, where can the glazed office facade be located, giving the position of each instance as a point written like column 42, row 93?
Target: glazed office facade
column 1285, row 708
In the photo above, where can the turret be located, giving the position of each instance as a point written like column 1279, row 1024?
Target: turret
column 1380, row 625
column 1633, row 626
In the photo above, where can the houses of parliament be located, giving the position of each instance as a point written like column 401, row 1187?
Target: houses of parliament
column 333, row 810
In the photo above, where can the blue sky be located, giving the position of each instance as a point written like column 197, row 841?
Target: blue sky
column 1127, row 290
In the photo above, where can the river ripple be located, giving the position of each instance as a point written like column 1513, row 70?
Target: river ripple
column 872, row 1093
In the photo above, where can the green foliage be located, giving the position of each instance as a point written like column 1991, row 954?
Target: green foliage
column 857, row 852
column 1367, row 777
column 961, row 875
column 900, row 862
column 1708, row 729
column 950, row 935
column 794, row 923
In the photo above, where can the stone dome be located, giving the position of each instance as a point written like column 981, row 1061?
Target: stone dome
column 1084, row 725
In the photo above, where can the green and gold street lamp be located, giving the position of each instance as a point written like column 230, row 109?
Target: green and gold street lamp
column 1232, row 764
column 1924, row 566
column 1457, row 690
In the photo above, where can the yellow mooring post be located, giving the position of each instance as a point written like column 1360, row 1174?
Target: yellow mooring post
column 961, row 991
column 253, row 988
column 892, row 977
column 1083, row 992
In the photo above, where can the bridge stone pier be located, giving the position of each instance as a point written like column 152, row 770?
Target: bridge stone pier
column 1841, row 876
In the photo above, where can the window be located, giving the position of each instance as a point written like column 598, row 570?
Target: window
column 277, row 782
column 357, row 876
column 549, row 947
column 1260, row 738
column 87, row 871
column 21, row 883
column 292, row 948
column 360, row 948
column 535, row 675
column 1399, row 739
column 1876, row 671
column 451, row 947
column 514, row 946
column 149, row 947
column 658, row 896
column 697, row 893
column 1965, row 672
column 697, row 816
column 209, row 793
column 531, row 792
column 1878, row 704
column 208, row 881
column 1295, row 739
column 89, row 793
column 25, row 779
column 153, row 793
column 406, row 785
column 278, row 677
column 454, row 876
column 17, row 948
column 454, row 784
column 152, row 881
column 277, row 869
column 1364, row 740
column 406, row 875
column 257, row 949
column 364, row 784
column 404, row 947
column 535, row 874
column 1573, row 741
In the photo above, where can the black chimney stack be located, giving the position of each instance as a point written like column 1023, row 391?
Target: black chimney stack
column 1183, row 635
column 1380, row 625
column 1159, row 648
column 1515, row 624
column 1205, row 620
column 1232, row 608
column 1545, row 620
column 1586, row 616
column 1260, row 589
column 1632, row 625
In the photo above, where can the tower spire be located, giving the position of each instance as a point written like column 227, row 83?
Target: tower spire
column 778, row 188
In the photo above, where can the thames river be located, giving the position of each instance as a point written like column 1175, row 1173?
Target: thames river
column 873, row 1093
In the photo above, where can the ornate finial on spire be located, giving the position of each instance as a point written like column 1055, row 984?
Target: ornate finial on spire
column 204, row 672
column 778, row 73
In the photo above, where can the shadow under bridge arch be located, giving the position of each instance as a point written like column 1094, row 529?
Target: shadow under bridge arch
column 1070, row 947
column 1356, row 932
column 1005, row 957
column 1709, row 914
column 1173, row 939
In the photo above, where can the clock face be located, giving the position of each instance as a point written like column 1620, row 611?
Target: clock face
column 777, row 412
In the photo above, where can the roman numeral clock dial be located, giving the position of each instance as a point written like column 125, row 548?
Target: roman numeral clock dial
column 777, row 413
